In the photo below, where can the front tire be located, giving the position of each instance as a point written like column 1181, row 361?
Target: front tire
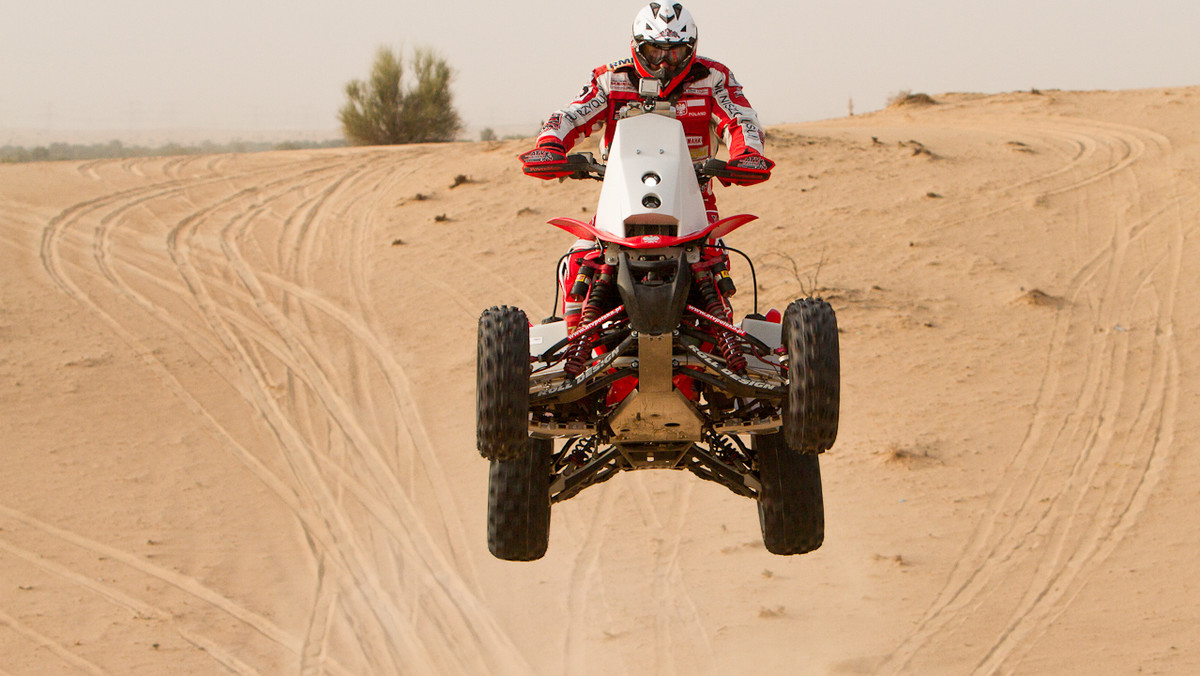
column 810, row 413
column 519, row 504
column 791, row 507
column 502, row 383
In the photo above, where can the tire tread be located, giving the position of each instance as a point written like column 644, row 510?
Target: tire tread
column 518, row 526
column 791, row 507
column 812, row 407
column 502, row 383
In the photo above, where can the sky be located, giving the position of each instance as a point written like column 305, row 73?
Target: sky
column 280, row 65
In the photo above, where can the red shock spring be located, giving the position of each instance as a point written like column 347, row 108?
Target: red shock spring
column 713, row 304
column 581, row 351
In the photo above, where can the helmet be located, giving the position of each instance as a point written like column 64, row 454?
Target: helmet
column 664, row 43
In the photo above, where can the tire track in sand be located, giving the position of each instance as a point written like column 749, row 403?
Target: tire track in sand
column 381, row 510
column 1034, row 521
column 306, row 470
column 1130, row 475
column 177, row 580
column 204, row 278
column 678, row 619
column 324, row 388
column 366, row 326
column 333, row 529
column 59, row 274
column 584, row 574
column 59, row 650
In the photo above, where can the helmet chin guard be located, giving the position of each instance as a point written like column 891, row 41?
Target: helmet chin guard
column 664, row 43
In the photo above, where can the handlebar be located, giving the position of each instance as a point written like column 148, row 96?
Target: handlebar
column 585, row 166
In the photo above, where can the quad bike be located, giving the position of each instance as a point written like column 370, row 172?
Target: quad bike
column 653, row 373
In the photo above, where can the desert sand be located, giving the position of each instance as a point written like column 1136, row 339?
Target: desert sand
column 238, row 409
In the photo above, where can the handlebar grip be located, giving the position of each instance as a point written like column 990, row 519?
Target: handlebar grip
column 712, row 169
column 583, row 165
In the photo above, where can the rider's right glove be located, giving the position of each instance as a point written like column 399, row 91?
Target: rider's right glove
column 548, row 160
column 748, row 168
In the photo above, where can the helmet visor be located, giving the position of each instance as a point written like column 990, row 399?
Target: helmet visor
column 671, row 54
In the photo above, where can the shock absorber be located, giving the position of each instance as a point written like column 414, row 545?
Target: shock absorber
column 724, row 282
column 715, row 306
column 573, row 305
column 575, row 293
column 597, row 300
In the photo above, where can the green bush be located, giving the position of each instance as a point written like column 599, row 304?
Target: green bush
column 380, row 111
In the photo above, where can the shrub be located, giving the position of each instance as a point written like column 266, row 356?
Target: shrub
column 381, row 111
column 907, row 98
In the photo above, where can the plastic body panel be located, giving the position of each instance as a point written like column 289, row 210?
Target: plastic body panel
column 650, row 145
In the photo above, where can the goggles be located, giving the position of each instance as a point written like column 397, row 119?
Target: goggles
column 673, row 54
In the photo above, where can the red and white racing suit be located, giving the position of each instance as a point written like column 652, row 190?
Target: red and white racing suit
column 708, row 101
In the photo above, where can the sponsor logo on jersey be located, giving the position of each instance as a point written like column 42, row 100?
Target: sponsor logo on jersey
column 627, row 61
column 694, row 141
column 621, row 83
column 581, row 111
column 727, row 105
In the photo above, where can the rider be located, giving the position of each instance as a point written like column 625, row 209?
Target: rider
column 664, row 65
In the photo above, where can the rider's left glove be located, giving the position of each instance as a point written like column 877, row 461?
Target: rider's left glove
column 547, row 161
column 748, row 168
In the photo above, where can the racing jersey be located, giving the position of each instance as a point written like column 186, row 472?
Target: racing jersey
column 708, row 102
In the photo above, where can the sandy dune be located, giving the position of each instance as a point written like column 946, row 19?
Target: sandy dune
column 238, row 412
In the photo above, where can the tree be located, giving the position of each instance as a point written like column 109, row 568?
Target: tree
column 381, row 111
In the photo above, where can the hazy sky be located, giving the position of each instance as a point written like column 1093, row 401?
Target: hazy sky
column 271, row 64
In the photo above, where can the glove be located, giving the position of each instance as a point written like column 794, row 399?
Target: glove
column 748, row 168
column 547, row 161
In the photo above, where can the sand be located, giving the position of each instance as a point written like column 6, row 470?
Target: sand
column 238, row 393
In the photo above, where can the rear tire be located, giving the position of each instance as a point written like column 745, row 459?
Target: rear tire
column 810, row 413
column 791, row 508
column 502, row 384
column 519, row 504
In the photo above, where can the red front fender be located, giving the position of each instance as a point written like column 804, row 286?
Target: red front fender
column 718, row 229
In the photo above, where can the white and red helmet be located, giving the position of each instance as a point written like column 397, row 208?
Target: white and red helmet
column 664, row 43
